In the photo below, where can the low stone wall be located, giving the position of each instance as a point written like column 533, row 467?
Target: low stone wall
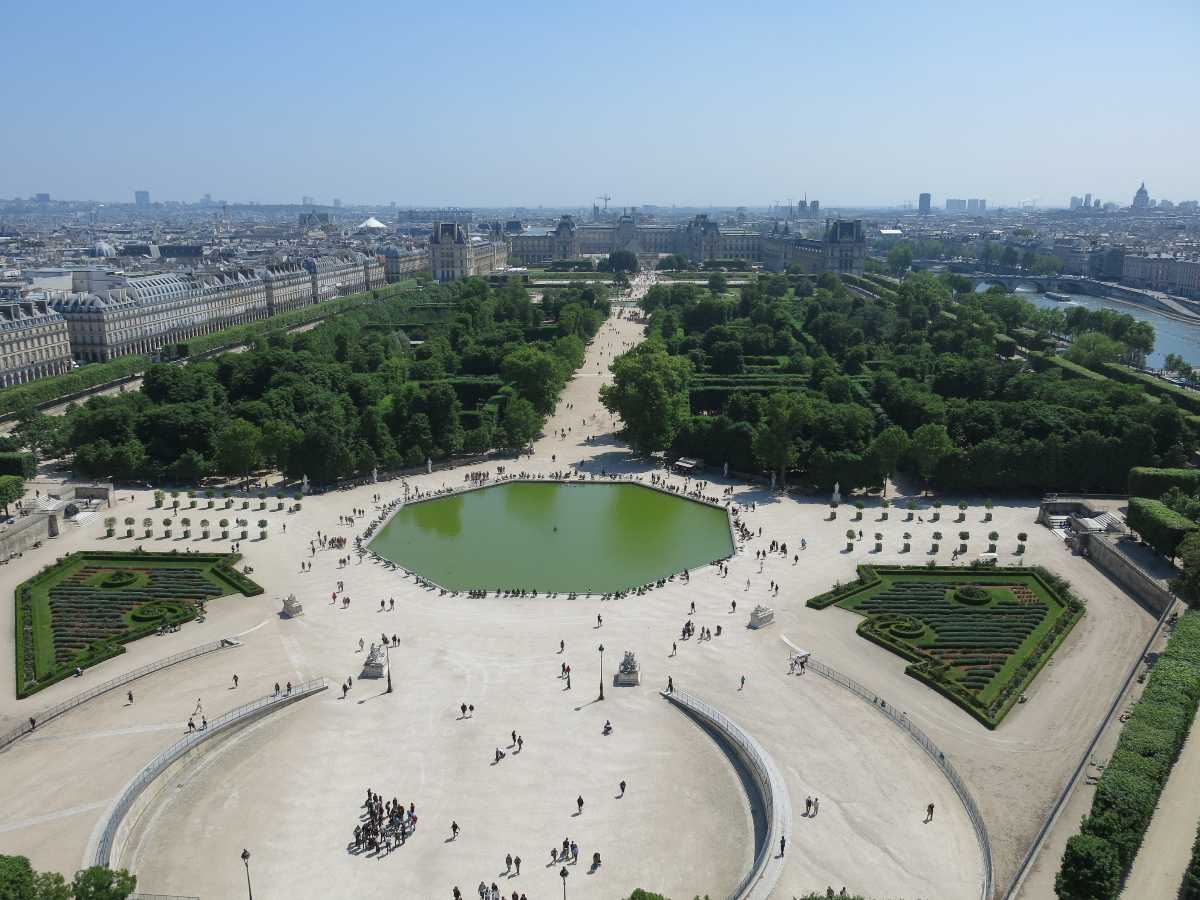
column 27, row 531
column 773, row 797
column 1125, row 572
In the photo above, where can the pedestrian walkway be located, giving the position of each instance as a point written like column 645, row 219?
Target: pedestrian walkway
column 1159, row 866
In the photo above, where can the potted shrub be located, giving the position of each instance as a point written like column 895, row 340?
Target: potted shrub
column 912, row 509
column 129, row 523
column 166, row 527
column 148, row 524
column 1021, row 538
column 187, row 527
column 883, row 505
column 262, row 501
column 987, row 505
column 993, row 536
column 279, row 504
column 110, row 526
column 878, row 542
column 832, row 511
column 907, row 543
column 224, row 523
column 858, row 510
column 174, row 499
column 228, row 500
column 262, row 529
column 849, row 539
column 158, row 498
column 242, row 523
column 937, row 536
column 937, row 505
column 245, row 504
column 962, row 511
column 204, row 528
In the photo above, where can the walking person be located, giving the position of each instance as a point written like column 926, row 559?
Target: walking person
column 235, row 681
column 622, row 786
column 507, row 863
column 782, row 845
column 929, row 814
column 453, row 830
column 579, row 804
column 129, row 696
column 517, row 864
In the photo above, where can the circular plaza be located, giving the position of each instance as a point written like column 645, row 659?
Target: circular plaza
column 667, row 803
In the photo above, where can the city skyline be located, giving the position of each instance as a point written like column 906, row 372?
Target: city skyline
column 551, row 106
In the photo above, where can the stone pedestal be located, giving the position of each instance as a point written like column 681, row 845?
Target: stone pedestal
column 630, row 672
column 762, row 615
column 292, row 607
column 376, row 664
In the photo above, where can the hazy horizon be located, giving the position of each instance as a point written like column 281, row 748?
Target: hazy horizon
column 684, row 105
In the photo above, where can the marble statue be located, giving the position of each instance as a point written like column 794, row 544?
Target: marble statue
column 837, row 492
column 762, row 615
column 292, row 607
column 629, row 673
column 376, row 664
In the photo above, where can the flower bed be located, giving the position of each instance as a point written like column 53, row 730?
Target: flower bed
column 978, row 639
column 81, row 610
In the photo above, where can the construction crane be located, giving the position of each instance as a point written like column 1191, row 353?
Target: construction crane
column 605, row 198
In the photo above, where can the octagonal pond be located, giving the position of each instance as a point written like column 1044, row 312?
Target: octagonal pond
column 554, row 536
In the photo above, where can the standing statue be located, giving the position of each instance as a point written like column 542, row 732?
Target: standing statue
column 304, row 485
column 837, row 492
column 725, row 470
column 772, row 481
column 375, row 473
column 428, row 466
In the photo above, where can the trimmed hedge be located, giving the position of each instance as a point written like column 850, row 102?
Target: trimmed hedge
column 1183, row 397
column 1190, row 890
column 1159, row 525
column 1043, row 361
column 21, row 464
column 1146, row 481
column 1098, row 859
column 45, row 390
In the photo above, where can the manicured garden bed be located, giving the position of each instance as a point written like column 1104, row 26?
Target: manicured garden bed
column 81, row 610
column 977, row 636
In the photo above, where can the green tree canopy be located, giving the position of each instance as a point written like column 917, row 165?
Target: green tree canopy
column 650, row 394
column 775, row 437
column 238, row 447
column 521, row 423
column 930, row 445
column 12, row 488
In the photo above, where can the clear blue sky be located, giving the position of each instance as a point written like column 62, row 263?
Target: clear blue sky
column 553, row 103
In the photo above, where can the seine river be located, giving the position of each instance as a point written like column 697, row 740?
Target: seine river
column 1171, row 335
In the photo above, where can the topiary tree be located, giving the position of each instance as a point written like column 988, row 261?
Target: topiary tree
column 110, row 526
column 987, row 516
column 883, row 505
column 187, row 527
column 129, row 523
column 204, row 528
column 166, row 527
column 158, row 498
column 148, row 524
column 858, row 510
column 262, row 529
column 224, row 529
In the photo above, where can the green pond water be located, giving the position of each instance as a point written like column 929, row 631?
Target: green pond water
column 554, row 537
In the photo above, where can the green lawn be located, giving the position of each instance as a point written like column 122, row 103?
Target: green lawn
column 980, row 649
column 81, row 610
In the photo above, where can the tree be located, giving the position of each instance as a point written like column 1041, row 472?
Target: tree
column 900, row 258
column 718, row 283
column 535, row 374
column 775, row 437
column 1188, row 584
column 1093, row 349
column 623, row 261
column 887, row 449
column 521, row 423
column 238, row 448
column 12, row 489
column 650, row 394
column 100, row 883
column 1090, row 869
column 930, row 445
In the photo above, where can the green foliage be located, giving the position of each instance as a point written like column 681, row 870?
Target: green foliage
column 12, row 488
column 21, row 464
column 649, row 392
column 1097, row 860
column 1190, row 890
column 19, row 881
column 26, row 396
column 1146, row 481
column 1160, row 527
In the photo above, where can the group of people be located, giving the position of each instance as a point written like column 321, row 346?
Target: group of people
column 385, row 825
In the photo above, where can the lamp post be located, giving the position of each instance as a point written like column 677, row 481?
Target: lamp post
column 246, row 862
column 564, row 873
column 387, row 652
column 601, row 671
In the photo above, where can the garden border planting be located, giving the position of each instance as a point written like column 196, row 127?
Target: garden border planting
column 988, row 686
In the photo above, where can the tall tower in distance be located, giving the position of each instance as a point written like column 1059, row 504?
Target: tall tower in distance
column 141, row 198
column 1141, row 200
column 923, row 203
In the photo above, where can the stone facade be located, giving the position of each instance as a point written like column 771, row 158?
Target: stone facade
column 1163, row 272
column 341, row 274
column 454, row 252
column 288, row 286
column 399, row 264
column 843, row 248
column 34, row 341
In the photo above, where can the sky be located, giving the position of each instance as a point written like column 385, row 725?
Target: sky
column 671, row 103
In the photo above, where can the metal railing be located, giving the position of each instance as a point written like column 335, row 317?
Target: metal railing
column 926, row 744
column 159, row 763
column 67, row 705
column 765, row 774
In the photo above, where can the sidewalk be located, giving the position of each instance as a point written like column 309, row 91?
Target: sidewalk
column 1159, row 866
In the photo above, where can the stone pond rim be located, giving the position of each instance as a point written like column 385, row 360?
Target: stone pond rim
column 587, row 537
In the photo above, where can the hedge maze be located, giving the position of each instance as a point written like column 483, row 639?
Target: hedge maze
column 976, row 636
column 81, row 610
